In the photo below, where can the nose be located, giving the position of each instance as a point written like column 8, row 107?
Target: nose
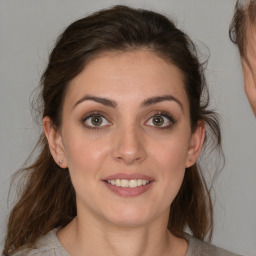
column 129, row 145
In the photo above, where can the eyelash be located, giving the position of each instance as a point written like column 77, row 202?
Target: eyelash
column 160, row 113
column 84, row 119
column 164, row 114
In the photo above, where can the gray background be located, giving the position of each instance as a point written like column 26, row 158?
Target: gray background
column 28, row 29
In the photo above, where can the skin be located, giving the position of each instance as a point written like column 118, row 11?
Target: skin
column 249, row 67
column 129, row 142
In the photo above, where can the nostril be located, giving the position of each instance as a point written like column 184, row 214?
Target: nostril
column 128, row 147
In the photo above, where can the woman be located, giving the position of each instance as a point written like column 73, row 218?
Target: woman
column 241, row 32
column 124, row 121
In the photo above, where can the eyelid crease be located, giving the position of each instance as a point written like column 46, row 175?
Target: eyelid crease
column 164, row 113
column 167, row 115
column 92, row 113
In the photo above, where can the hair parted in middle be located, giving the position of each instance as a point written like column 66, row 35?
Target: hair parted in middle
column 48, row 198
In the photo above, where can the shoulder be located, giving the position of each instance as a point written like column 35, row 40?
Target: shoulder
column 47, row 245
column 200, row 248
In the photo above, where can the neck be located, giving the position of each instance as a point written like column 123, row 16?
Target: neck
column 91, row 237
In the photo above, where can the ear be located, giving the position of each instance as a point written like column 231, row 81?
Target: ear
column 55, row 142
column 195, row 144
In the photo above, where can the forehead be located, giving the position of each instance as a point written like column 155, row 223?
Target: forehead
column 123, row 75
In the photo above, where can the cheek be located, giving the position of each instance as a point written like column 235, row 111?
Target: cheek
column 174, row 168
column 83, row 154
column 85, row 162
column 171, row 155
column 171, row 163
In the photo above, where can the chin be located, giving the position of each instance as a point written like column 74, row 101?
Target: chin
column 133, row 217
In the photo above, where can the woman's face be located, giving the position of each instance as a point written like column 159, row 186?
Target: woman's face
column 126, row 137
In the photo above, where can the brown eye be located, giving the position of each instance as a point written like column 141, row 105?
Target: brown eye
column 161, row 121
column 95, row 121
column 158, row 120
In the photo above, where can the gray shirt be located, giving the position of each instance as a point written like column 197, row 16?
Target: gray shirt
column 49, row 245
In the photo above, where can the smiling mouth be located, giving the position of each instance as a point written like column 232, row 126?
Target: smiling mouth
column 128, row 183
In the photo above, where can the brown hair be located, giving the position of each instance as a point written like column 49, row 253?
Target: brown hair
column 48, row 197
column 243, row 19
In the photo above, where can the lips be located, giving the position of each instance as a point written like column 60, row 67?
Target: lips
column 128, row 185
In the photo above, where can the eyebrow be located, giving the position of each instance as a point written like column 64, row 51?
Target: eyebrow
column 113, row 104
column 158, row 99
column 103, row 101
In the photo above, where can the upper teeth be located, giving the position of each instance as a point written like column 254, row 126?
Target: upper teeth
column 128, row 183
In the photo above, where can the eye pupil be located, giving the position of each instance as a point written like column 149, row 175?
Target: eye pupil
column 158, row 120
column 96, row 120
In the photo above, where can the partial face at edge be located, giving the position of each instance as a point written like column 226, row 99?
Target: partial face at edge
column 126, row 117
column 249, row 67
